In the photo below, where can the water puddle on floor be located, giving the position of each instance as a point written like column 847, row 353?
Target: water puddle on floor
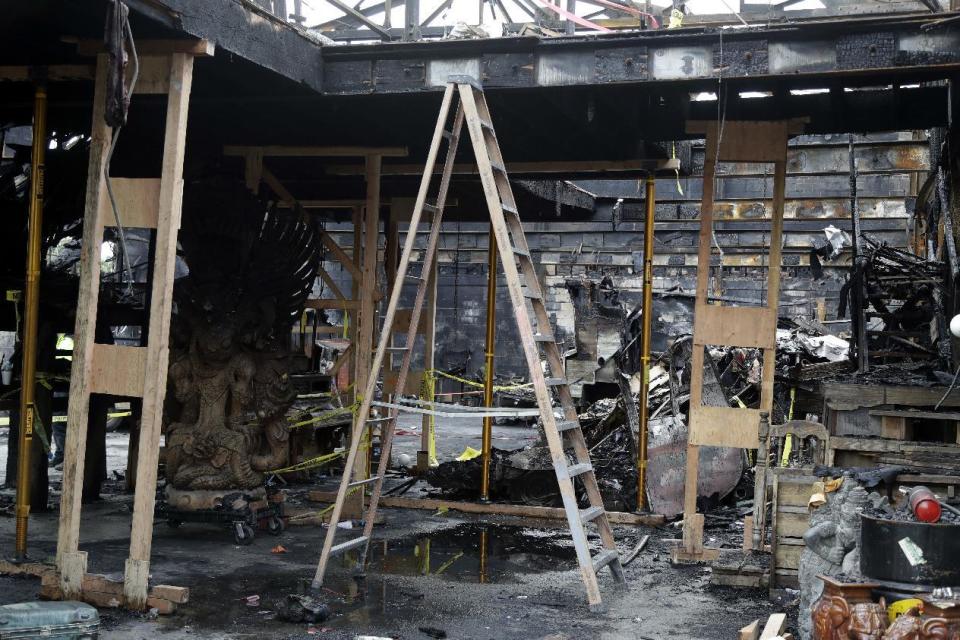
column 473, row 552
column 467, row 553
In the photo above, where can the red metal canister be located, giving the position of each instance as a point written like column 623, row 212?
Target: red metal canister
column 924, row 504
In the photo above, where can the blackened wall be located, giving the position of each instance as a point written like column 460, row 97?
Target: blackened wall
column 611, row 243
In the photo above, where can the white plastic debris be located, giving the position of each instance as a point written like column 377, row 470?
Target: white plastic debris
column 838, row 239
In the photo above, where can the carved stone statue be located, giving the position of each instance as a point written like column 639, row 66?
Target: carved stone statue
column 831, row 547
column 250, row 271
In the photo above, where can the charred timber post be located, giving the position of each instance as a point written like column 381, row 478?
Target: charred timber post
column 858, row 305
column 645, row 340
column 32, row 306
column 488, row 376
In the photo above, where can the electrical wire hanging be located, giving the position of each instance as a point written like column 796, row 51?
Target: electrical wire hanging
column 128, row 36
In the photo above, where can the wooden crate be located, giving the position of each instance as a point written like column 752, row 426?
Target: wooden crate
column 791, row 516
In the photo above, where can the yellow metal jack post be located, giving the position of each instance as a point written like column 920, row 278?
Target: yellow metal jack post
column 487, row 439
column 32, row 304
column 645, row 341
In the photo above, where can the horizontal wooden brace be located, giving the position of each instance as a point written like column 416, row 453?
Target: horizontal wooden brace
column 724, row 427
column 193, row 46
column 54, row 72
column 331, row 303
column 521, row 510
column 138, row 202
column 520, row 168
column 752, row 327
column 281, row 151
column 118, row 370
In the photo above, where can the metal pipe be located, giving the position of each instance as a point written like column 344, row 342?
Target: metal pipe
column 30, row 320
column 488, row 376
column 645, row 341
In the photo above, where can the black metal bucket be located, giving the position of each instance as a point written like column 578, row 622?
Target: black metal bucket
column 910, row 553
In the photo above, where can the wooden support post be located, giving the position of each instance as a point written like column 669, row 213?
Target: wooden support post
column 71, row 562
column 158, row 345
column 366, row 318
column 733, row 326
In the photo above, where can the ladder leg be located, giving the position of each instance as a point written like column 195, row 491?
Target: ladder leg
column 430, row 255
column 512, row 246
column 370, row 390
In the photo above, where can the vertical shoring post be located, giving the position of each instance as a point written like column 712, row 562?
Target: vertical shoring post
column 30, row 320
column 857, row 304
column 488, row 376
column 646, row 341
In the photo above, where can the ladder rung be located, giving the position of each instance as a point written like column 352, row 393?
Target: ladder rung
column 603, row 558
column 394, row 349
column 543, row 337
column 496, row 166
column 360, row 483
column 509, row 208
column 555, row 382
column 413, row 277
column 578, row 469
column 449, row 135
column 349, row 544
column 591, row 514
column 486, row 124
column 378, row 420
column 567, row 425
column 520, row 252
column 432, row 208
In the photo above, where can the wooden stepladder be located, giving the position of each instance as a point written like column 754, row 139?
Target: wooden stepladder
column 525, row 295
column 749, row 327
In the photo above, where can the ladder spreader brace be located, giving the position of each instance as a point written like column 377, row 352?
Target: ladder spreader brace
column 524, row 288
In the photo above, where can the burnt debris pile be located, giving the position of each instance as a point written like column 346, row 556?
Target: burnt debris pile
column 902, row 308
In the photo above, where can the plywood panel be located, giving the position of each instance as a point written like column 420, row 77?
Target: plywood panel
column 138, row 202
column 117, row 370
column 735, row 326
column 724, row 427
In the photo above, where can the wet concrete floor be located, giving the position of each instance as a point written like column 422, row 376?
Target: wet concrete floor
column 473, row 579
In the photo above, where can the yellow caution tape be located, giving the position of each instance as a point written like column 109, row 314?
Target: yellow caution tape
column 312, row 463
column 469, row 454
column 324, row 416
column 472, row 383
column 321, row 512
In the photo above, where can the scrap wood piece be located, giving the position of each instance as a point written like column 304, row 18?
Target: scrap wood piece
column 523, row 510
column 37, row 569
column 100, row 591
column 751, row 631
column 774, row 626
column 636, row 550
